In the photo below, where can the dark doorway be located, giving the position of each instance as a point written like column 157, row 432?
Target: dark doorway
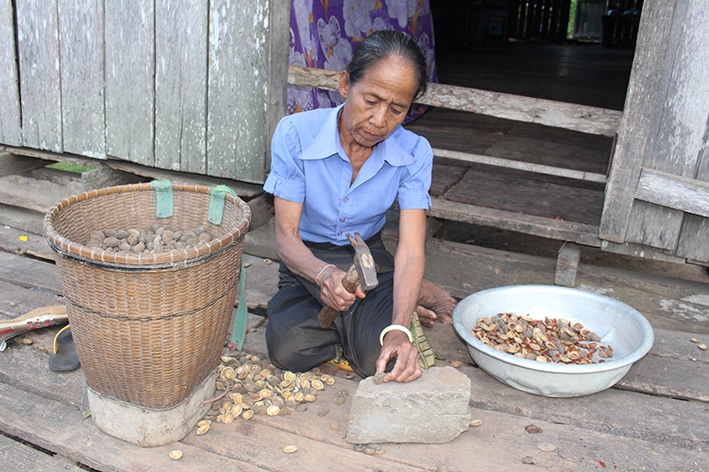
column 496, row 45
column 576, row 51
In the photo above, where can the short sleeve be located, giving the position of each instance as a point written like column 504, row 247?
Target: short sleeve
column 414, row 187
column 286, row 179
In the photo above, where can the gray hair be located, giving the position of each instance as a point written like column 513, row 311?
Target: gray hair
column 383, row 44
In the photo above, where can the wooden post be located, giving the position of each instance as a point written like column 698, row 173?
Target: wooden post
column 567, row 265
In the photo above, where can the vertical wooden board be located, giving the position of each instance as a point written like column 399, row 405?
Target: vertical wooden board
column 238, row 39
column 703, row 165
column 681, row 114
column 40, row 99
column 82, row 77
column 277, row 70
column 181, row 85
column 649, row 225
column 130, row 90
column 693, row 243
column 648, row 64
column 10, row 129
column 677, row 135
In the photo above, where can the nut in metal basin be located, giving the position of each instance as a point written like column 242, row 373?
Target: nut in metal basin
column 616, row 323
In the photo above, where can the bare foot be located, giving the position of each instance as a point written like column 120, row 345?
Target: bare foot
column 438, row 302
column 426, row 317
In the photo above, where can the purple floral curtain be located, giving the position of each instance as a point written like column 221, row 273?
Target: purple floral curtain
column 324, row 34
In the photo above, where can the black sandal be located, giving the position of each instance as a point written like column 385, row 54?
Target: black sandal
column 64, row 358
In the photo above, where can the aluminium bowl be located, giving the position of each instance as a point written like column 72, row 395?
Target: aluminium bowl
column 621, row 326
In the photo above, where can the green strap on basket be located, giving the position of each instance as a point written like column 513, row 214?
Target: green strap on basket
column 216, row 203
column 238, row 331
column 164, row 200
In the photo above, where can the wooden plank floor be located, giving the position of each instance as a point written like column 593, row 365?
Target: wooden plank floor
column 654, row 419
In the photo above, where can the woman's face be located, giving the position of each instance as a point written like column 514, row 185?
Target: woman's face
column 378, row 102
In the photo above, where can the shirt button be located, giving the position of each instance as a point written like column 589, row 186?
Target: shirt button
column 278, row 181
column 342, row 220
column 339, row 233
column 346, row 200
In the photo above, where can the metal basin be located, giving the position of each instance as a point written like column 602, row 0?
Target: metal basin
column 619, row 325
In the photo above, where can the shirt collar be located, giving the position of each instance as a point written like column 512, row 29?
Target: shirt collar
column 327, row 143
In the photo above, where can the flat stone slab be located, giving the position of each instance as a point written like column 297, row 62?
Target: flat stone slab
column 433, row 409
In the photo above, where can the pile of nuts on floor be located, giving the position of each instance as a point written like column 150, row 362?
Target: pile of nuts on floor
column 548, row 340
column 155, row 240
column 249, row 386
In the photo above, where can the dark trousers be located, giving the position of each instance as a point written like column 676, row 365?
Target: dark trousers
column 294, row 337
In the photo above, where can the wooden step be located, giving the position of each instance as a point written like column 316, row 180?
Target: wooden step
column 581, row 233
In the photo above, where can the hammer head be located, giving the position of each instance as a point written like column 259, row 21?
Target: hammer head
column 364, row 262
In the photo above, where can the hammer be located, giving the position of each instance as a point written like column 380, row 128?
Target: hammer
column 361, row 272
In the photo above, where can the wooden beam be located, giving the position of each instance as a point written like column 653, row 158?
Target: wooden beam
column 276, row 71
column 311, row 77
column 560, row 230
column 571, row 116
column 638, row 250
column 520, row 165
column 673, row 191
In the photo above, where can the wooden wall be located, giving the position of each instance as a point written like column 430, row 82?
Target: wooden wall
column 186, row 85
column 658, row 189
column 10, row 126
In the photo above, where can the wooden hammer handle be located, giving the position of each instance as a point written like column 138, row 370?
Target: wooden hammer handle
column 327, row 314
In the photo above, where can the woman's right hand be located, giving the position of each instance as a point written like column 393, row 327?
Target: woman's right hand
column 333, row 293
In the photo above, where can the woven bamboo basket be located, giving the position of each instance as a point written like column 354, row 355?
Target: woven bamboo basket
column 147, row 329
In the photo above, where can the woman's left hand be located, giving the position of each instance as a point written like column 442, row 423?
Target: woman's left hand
column 407, row 366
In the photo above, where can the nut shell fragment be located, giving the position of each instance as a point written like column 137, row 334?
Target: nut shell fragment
column 290, row 449
column 328, row 379
column 546, row 447
column 202, row 430
column 176, row 454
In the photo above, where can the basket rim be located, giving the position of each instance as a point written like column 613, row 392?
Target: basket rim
column 61, row 244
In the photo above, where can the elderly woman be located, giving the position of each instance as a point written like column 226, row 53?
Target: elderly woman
column 338, row 171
